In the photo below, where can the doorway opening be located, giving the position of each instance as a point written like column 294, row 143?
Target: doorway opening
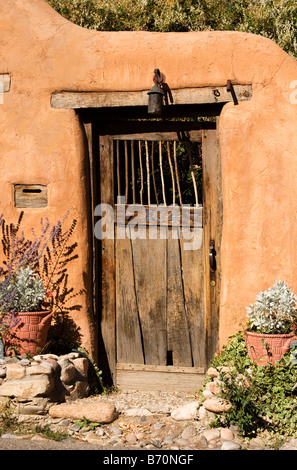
column 157, row 296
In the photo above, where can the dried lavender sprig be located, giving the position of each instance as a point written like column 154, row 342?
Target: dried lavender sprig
column 24, row 252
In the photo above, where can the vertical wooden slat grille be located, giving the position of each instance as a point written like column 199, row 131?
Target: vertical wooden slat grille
column 167, row 173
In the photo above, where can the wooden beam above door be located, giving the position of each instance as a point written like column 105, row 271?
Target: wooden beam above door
column 183, row 130
column 114, row 99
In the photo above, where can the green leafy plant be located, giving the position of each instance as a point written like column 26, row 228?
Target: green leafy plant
column 46, row 432
column 94, row 374
column 274, row 311
column 261, row 397
column 86, row 423
column 8, row 421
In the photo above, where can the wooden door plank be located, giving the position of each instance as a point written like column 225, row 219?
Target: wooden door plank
column 128, row 332
column 108, row 317
column 179, row 342
column 149, row 259
column 193, row 281
column 158, row 378
column 156, row 368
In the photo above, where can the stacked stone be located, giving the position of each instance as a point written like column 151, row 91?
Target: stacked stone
column 213, row 402
column 48, row 377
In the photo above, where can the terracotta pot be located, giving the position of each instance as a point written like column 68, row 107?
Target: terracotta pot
column 29, row 335
column 266, row 348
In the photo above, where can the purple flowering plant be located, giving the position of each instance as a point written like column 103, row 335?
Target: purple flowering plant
column 34, row 272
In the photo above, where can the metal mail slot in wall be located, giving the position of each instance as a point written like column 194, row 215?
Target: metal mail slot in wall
column 30, row 195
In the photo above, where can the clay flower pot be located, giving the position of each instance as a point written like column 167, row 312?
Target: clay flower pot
column 29, row 335
column 267, row 348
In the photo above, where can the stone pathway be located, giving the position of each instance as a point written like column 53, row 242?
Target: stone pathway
column 149, row 421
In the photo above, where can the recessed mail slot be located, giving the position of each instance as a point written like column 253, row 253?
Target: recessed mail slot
column 30, row 195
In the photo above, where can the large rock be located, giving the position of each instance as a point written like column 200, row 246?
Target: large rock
column 79, row 390
column 68, row 374
column 184, row 412
column 15, row 371
column 40, row 369
column 216, row 405
column 28, row 387
column 95, row 412
column 212, row 372
column 82, row 365
column 214, row 387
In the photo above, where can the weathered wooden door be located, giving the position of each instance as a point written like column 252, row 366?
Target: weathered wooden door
column 160, row 260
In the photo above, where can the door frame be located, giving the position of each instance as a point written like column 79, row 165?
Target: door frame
column 131, row 376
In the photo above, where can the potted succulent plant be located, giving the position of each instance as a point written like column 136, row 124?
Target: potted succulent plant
column 24, row 297
column 272, row 320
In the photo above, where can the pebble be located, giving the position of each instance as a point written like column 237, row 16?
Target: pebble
column 188, row 432
column 168, row 441
column 227, row 434
column 74, row 427
column 116, row 431
column 290, row 445
column 130, row 438
column 138, row 412
column 231, row 445
column 212, row 434
column 184, row 412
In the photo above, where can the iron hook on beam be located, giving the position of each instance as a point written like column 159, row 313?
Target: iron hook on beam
column 230, row 89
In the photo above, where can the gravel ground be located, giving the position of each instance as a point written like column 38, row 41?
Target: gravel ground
column 158, row 402
column 151, row 429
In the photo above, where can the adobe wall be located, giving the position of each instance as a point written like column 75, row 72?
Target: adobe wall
column 44, row 53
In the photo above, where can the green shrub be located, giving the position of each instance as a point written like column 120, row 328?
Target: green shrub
column 261, row 397
column 274, row 19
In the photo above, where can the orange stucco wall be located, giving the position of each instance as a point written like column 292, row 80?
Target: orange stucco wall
column 44, row 53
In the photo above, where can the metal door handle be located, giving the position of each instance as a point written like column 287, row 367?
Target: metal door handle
column 212, row 256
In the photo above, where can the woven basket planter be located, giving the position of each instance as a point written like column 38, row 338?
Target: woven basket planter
column 29, row 335
column 266, row 348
